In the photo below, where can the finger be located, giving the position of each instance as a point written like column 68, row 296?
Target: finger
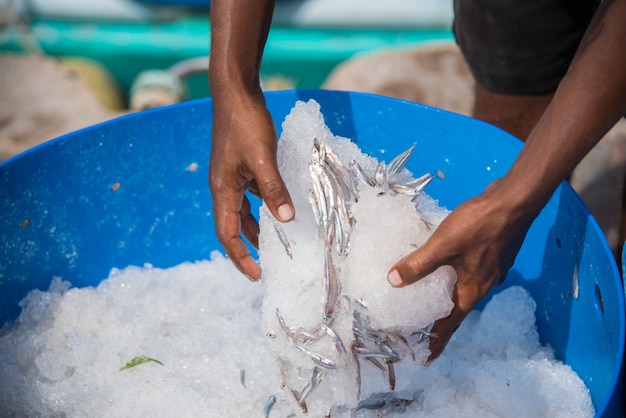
column 465, row 296
column 417, row 265
column 228, row 226
column 254, row 188
column 249, row 225
column 442, row 331
column 274, row 192
column 238, row 252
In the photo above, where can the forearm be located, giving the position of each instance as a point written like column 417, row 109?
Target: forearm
column 587, row 103
column 239, row 30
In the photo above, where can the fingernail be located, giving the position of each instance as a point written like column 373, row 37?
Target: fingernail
column 394, row 278
column 285, row 213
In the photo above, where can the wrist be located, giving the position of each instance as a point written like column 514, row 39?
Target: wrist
column 233, row 83
column 519, row 199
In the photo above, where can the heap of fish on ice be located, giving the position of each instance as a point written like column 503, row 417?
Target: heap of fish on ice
column 344, row 339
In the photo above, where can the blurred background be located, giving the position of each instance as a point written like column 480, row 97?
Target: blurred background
column 135, row 54
column 68, row 64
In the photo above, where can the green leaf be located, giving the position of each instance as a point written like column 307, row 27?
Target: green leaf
column 139, row 360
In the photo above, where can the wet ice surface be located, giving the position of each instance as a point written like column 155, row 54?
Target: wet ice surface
column 201, row 321
column 207, row 324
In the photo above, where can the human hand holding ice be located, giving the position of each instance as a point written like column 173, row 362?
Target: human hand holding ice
column 243, row 157
column 480, row 240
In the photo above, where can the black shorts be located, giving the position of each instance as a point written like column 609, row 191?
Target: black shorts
column 520, row 46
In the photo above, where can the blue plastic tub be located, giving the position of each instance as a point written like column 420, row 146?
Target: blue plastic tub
column 122, row 193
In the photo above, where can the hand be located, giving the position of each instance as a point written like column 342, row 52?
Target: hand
column 480, row 240
column 243, row 157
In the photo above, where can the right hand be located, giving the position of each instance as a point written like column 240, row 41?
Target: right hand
column 243, row 157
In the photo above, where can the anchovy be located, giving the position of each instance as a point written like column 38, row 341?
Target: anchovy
column 385, row 348
column 317, row 214
column 385, row 402
column 283, row 239
column 384, row 176
column 318, row 358
column 380, row 176
column 281, row 321
column 398, row 163
column 365, row 352
column 363, row 324
column 304, row 336
column 345, row 222
column 391, row 375
column 338, row 343
column 300, row 403
column 281, row 234
column 358, row 172
column 400, row 188
column 404, row 342
column 424, row 181
column 358, row 370
column 268, row 406
column 341, row 175
column 336, row 231
column 366, row 336
column 282, row 373
column 316, row 378
column 424, row 333
column 376, row 363
column 412, row 188
column 318, row 191
column 329, row 189
column 332, row 287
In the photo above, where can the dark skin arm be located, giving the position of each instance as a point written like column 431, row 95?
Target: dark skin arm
column 243, row 153
column 482, row 237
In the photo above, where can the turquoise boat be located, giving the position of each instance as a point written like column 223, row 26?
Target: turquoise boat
column 304, row 44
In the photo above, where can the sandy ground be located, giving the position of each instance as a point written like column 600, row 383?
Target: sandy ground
column 40, row 100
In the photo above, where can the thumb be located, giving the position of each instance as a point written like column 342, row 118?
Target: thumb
column 275, row 194
column 417, row 265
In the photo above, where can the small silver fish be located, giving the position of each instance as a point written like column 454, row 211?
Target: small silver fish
column 424, row 333
column 280, row 233
column 382, row 354
column 332, row 287
column 316, row 378
column 385, row 403
column 318, row 358
column 398, row 163
column 268, row 406
column 355, row 357
column 358, row 172
column 338, row 343
column 283, row 239
column 391, row 375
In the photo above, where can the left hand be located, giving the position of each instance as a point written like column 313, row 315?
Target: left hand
column 480, row 240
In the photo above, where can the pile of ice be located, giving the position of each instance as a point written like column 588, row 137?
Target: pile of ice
column 312, row 340
column 62, row 357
